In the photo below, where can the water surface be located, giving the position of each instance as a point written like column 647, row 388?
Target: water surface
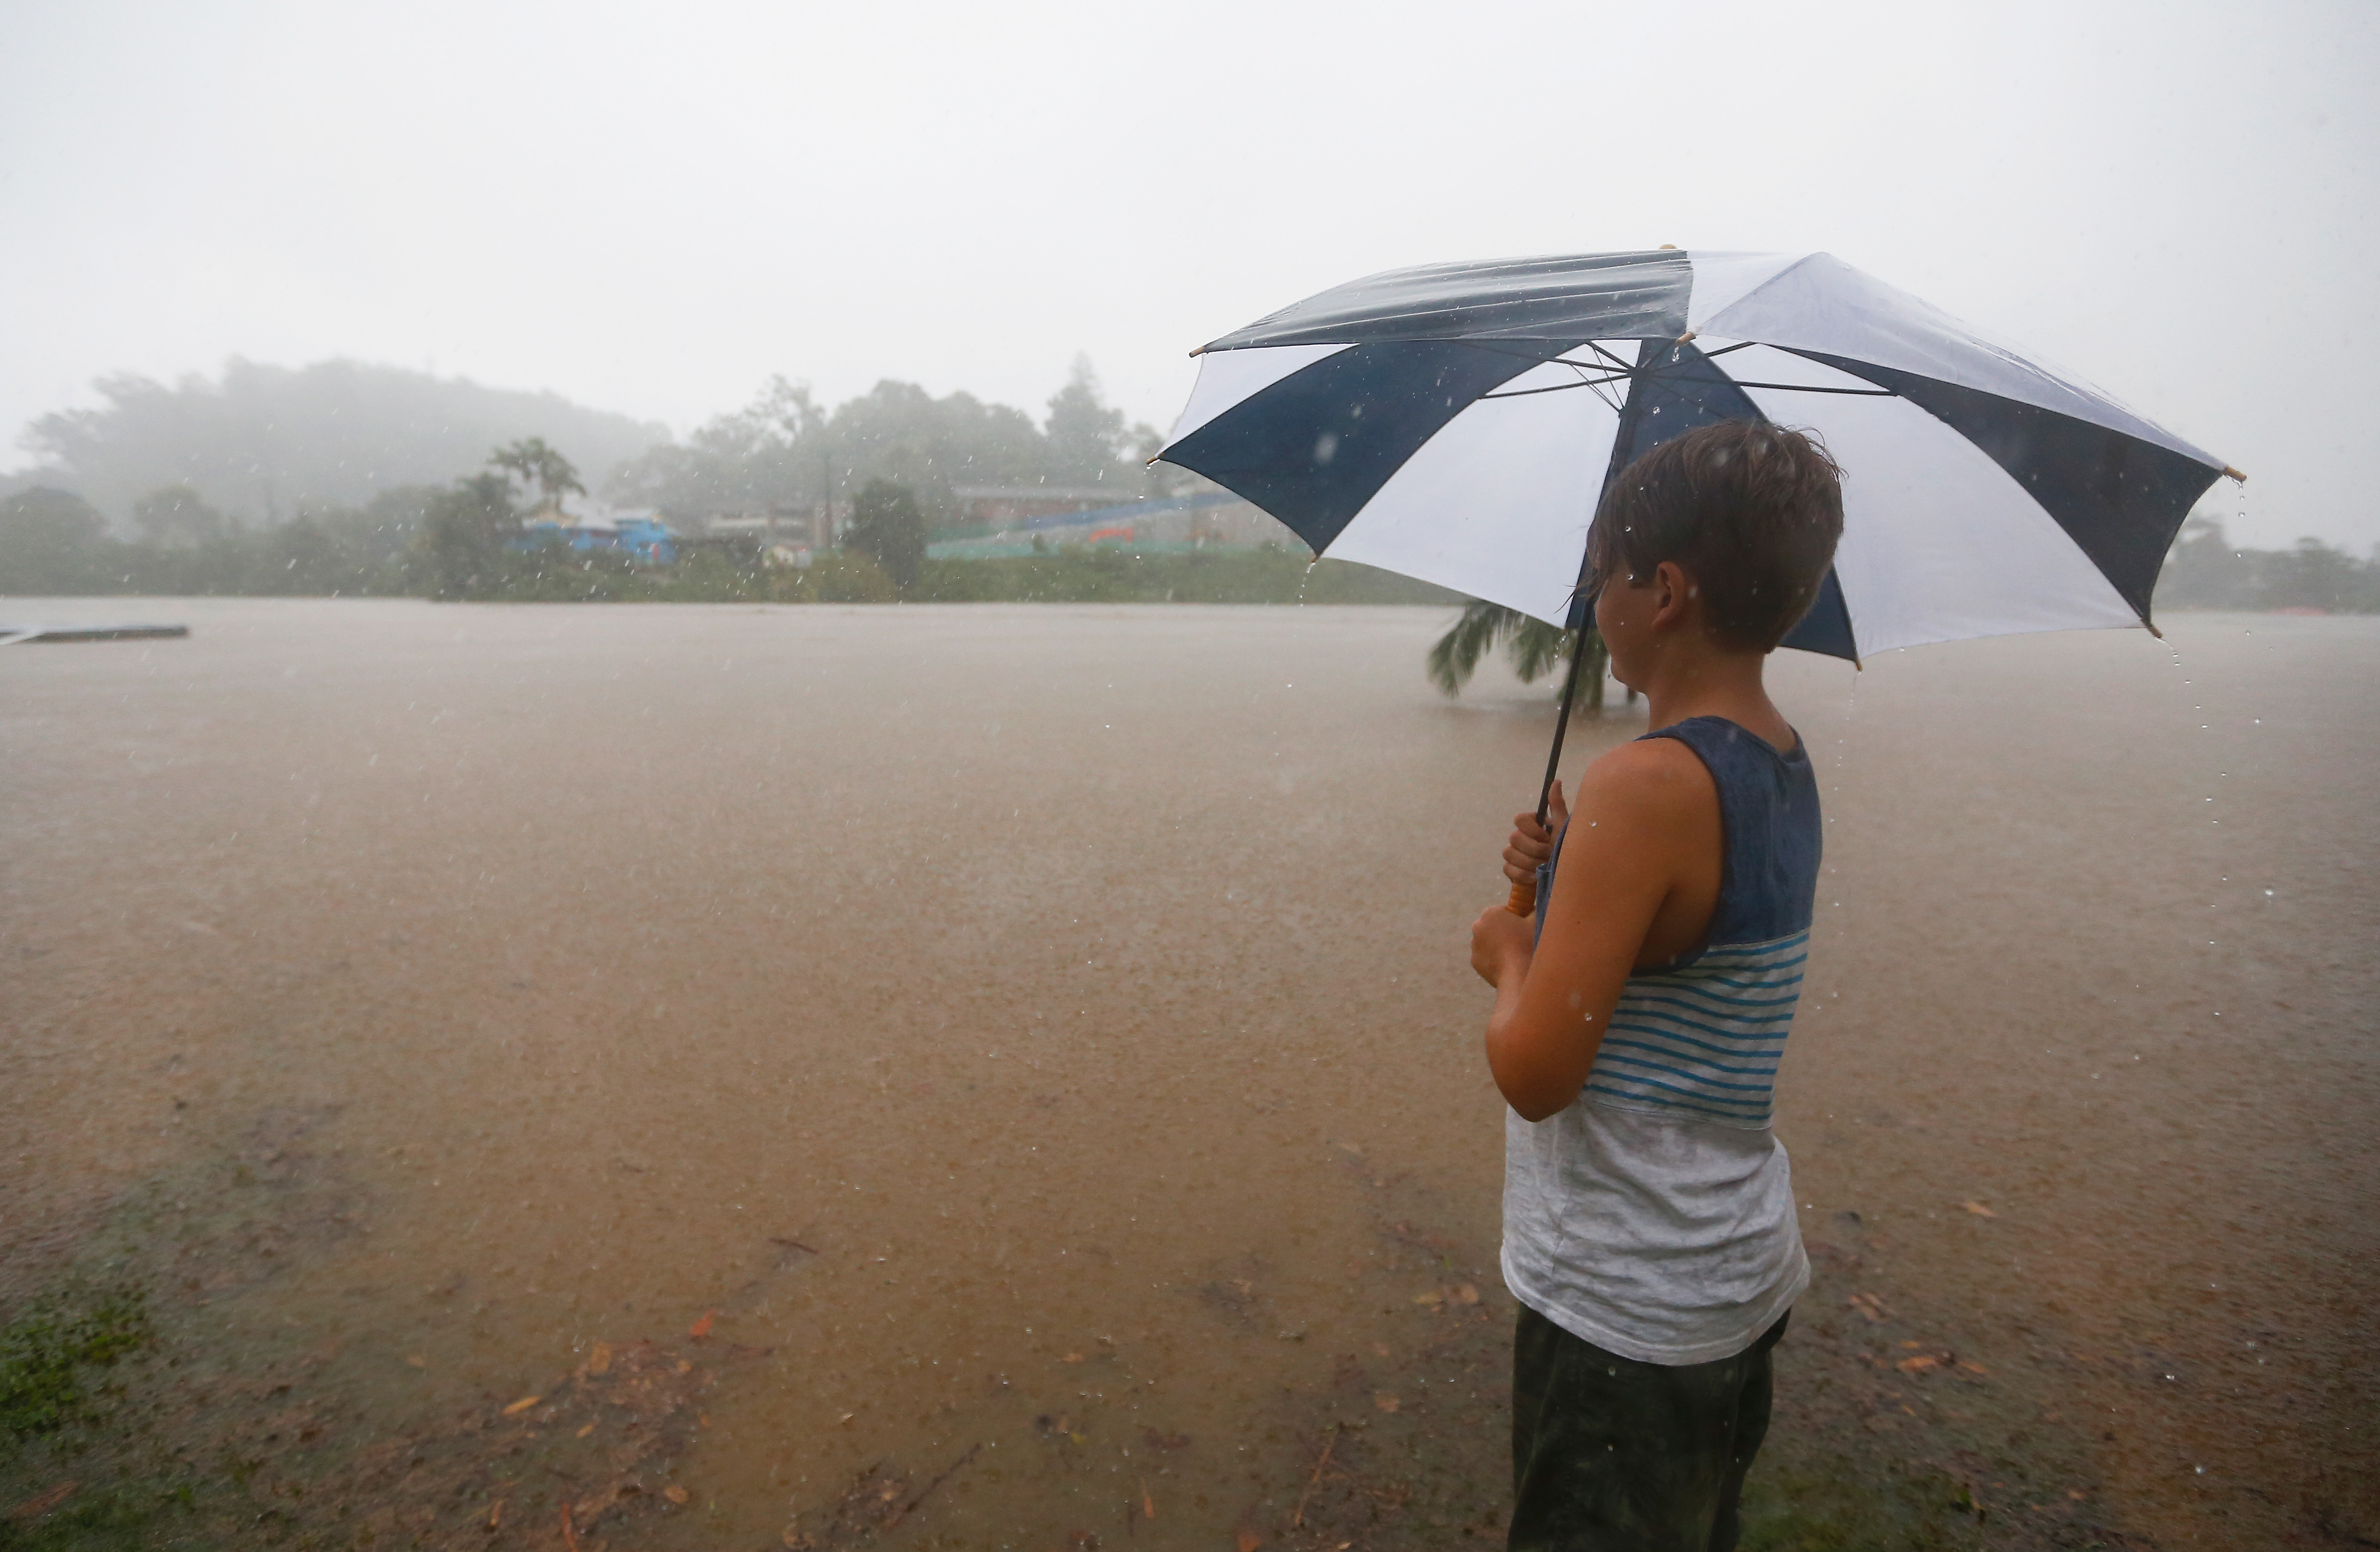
column 1039, row 1041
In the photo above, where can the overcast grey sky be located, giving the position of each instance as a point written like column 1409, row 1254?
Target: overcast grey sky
column 651, row 208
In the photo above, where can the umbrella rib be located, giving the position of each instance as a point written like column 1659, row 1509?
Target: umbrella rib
column 1556, row 388
column 1812, row 388
column 1581, row 368
column 1620, row 371
column 1633, row 374
column 1615, row 363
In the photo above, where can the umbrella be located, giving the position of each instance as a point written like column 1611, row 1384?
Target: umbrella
column 1459, row 423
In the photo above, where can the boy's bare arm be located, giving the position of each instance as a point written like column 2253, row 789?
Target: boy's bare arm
column 1646, row 812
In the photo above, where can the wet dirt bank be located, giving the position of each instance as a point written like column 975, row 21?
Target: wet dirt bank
column 1034, row 1047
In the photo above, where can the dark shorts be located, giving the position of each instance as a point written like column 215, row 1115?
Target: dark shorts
column 1614, row 1455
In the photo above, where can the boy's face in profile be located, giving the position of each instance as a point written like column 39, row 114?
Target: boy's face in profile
column 1624, row 612
column 1640, row 617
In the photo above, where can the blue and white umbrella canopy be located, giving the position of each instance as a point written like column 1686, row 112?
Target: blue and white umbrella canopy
column 1457, row 422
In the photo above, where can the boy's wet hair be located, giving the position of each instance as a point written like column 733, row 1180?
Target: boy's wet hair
column 1749, row 510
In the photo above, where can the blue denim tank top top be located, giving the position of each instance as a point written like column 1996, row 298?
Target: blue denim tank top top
column 1703, row 1034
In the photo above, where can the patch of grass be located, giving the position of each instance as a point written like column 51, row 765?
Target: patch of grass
column 1844, row 1510
column 50, row 1351
column 122, row 1514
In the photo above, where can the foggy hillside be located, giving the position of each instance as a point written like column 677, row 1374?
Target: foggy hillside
column 786, row 451
column 268, row 444
column 265, row 442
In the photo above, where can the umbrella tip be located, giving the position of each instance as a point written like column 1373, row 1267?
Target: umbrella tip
column 1667, row 248
column 2150, row 628
column 1200, row 351
column 2230, row 473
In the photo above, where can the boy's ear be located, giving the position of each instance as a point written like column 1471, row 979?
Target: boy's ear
column 1673, row 592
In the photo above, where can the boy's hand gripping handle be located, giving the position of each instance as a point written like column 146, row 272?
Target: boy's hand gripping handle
column 1523, row 898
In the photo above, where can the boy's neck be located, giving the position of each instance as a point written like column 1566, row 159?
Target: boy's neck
column 1710, row 682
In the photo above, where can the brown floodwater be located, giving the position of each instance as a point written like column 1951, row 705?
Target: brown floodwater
column 1039, row 1041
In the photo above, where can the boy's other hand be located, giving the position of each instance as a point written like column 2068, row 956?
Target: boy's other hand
column 1500, row 945
column 1533, row 843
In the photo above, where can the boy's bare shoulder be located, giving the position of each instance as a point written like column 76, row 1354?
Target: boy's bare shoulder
column 1647, row 778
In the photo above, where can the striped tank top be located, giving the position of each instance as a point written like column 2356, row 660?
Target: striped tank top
column 1655, row 1217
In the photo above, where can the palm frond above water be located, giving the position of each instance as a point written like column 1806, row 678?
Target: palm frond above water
column 1532, row 647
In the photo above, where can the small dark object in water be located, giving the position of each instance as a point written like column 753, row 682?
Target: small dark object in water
column 19, row 634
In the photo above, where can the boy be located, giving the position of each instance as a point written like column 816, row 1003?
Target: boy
column 1649, row 1231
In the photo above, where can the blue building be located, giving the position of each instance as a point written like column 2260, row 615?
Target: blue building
column 636, row 532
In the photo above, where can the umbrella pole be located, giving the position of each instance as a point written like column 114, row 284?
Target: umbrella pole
column 1523, row 900
column 1561, row 724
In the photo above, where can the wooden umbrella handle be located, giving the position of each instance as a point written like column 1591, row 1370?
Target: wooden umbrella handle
column 1524, row 899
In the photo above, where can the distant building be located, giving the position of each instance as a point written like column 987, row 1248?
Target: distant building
column 584, row 526
column 778, row 528
column 1000, row 505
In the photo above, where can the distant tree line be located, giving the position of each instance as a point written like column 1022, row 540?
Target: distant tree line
column 2205, row 571
column 785, row 451
column 889, row 459
column 264, row 444
column 463, row 539
column 466, row 541
column 52, row 542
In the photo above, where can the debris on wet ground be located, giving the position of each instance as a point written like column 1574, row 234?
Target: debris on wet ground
column 1868, row 1304
column 119, row 1408
column 598, row 1448
column 1888, row 1429
column 1879, row 1439
column 1884, row 1440
column 1405, row 1447
column 875, row 1504
column 42, row 1502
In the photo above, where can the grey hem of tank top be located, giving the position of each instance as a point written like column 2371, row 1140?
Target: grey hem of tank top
column 1670, row 1113
column 1765, row 1314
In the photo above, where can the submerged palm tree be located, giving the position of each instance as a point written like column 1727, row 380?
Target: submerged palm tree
column 1530, row 645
